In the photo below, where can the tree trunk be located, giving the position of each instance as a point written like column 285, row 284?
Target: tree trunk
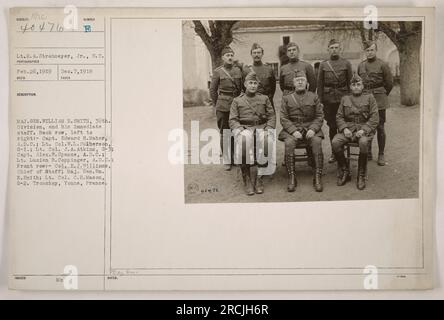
column 216, row 59
column 410, row 70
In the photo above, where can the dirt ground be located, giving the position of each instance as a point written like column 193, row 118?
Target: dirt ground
column 398, row 179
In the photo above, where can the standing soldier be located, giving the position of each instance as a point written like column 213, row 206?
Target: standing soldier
column 226, row 84
column 264, row 72
column 288, row 70
column 302, row 118
column 357, row 119
column 249, row 112
column 378, row 79
column 333, row 83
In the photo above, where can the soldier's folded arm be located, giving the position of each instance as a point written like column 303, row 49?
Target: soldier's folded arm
column 316, row 125
column 373, row 120
column 245, row 70
column 213, row 87
column 234, row 117
column 320, row 84
column 286, row 123
column 282, row 81
column 349, row 74
column 388, row 78
column 340, row 121
column 272, row 83
column 271, row 115
column 311, row 78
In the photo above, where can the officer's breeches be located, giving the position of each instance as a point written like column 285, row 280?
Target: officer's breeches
column 222, row 119
column 314, row 142
column 259, row 145
column 380, row 131
column 340, row 140
column 330, row 110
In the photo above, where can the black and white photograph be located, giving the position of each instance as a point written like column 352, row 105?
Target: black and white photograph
column 222, row 150
column 301, row 110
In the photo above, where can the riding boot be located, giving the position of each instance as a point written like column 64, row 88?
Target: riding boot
column 369, row 150
column 362, row 170
column 381, row 146
column 317, row 172
column 246, row 176
column 343, row 169
column 290, row 165
column 259, row 185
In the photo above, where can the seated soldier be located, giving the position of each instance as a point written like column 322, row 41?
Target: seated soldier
column 252, row 118
column 302, row 118
column 357, row 119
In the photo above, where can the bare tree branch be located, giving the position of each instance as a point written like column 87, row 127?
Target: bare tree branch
column 212, row 28
column 389, row 32
column 202, row 33
column 402, row 27
column 358, row 25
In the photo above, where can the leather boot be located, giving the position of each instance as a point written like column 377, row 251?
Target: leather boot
column 381, row 160
column 246, row 176
column 369, row 151
column 289, row 163
column 381, row 145
column 317, row 172
column 362, row 170
column 343, row 170
column 259, row 186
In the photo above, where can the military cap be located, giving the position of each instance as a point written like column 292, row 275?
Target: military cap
column 256, row 46
column 227, row 49
column 333, row 41
column 292, row 44
column 355, row 78
column 368, row 44
column 299, row 74
column 251, row 76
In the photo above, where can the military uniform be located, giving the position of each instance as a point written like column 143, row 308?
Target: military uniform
column 378, row 80
column 250, row 112
column 226, row 84
column 333, row 78
column 288, row 72
column 266, row 78
column 302, row 112
column 355, row 113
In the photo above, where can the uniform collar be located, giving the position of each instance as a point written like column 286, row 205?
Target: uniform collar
column 301, row 93
column 259, row 63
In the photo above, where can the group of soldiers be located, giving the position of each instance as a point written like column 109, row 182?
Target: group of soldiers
column 353, row 105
